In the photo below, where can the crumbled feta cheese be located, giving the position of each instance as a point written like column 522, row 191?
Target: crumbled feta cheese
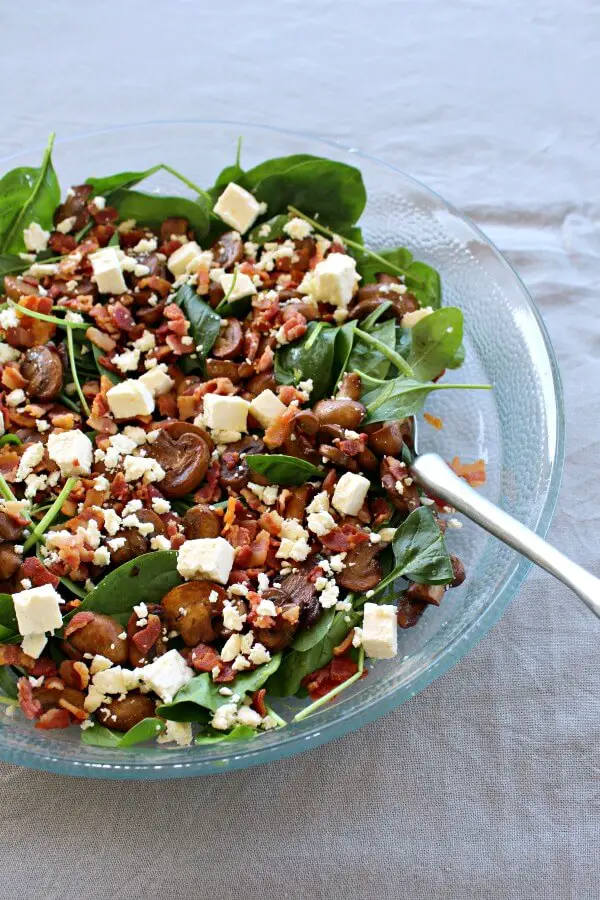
column 410, row 319
column 240, row 663
column 232, row 620
column 72, row 451
column 259, row 655
column 33, row 644
column 294, row 541
column 238, row 208
column 66, row 225
column 100, row 203
column 36, row 238
column 99, row 664
column 179, row 733
column 146, row 342
column 130, row 399
column 166, row 675
column 16, row 397
column 37, row 609
column 329, row 592
column 160, row 542
column 182, row 259
column 101, row 557
column 31, row 457
column 350, row 493
column 231, row 648
column 333, row 281
column 225, row 717
column 298, row 229
column 379, row 631
column 337, row 562
column 145, row 467
column 249, row 717
column 266, row 608
column 128, row 361
column 157, row 380
column 226, row 413
column 146, row 245
column 160, row 505
column 321, row 523
column 266, row 408
column 357, row 637
column 106, row 266
column 205, row 558
column 8, row 353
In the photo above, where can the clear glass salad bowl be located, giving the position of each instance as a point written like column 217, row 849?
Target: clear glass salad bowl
column 517, row 429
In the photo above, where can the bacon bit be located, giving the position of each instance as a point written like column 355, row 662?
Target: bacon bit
column 243, row 555
column 271, row 522
column 203, row 283
column 258, row 702
column 322, row 681
column 251, row 344
column 341, row 540
column 156, row 285
column 30, row 332
column 434, row 421
column 281, row 429
column 12, row 378
column 260, row 549
column 121, row 316
column 75, row 711
column 64, row 420
column 54, row 718
column 204, row 658
column 176, row 344
column 103, row 234
column 177, row 322
column 265, row 361
column 62, row 244
column 227, row 673
column 229, row 517
column 167, row 405
column 380, row 511
column 9, row 461
column 351, row 447
column 30, row 707
column 43, row 666
column 288, row 393
column 79, row 620
column 145, row 639
column 74, row 674
column 294, row 327
column 37, row 572
column 473, row 473
column 222, row 386
column 12, row 655
column 119, row 488
column 345, row 645
column 210, row 490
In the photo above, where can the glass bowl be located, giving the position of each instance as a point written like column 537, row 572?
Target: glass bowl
column 517, row 429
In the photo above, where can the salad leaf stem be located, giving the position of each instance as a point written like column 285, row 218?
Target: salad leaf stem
column 186, row 181
column 393, row 357
column 41, row 527
column 74, row 371
column 308, row 710
column 10, row 439
column 5, row 490
column 66, row 401
column 34, row 314
column 225, row 299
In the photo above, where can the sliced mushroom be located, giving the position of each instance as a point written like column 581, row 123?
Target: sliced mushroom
column 10, row 530
column 401, row 490
column 202, row 522
column 75, row 205
column 385, row 439
column 50, row 697
column 458, row 570
column 228, row 250
column 345, row 413
column 350, row 387
column 286, row 622
column 235, row 474
column 190, row 611
column 230, row 341
column 264, row 381
column 135, row 543
column 223, row 368
column 10, row 561
column 303, row 592
column 100, row 635
column 362, row 570
column 184, row 459
column 174, row 226
column 42, row 367
column 122, row 714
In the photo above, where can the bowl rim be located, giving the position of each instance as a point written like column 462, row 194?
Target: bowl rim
column 454, row 652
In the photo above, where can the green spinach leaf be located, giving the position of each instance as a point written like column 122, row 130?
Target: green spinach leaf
column 420, row 550
column 398, row 258
column 28, row 195
column 333, row 190
column 153, row 209
column 368, row 359
column 8, row 683
column 310, row 357
column 205, row 323
column 8, row 619
column 10, row 265
column 436, row 340
column 342, row 349
column 282, row 469
column 238, row 733
column 424, row 284
column 271, row 230
column 404, row 397
column 99, row 736
column 307, row 639
column 108, row 184
column 274, row 166
column 231, row 173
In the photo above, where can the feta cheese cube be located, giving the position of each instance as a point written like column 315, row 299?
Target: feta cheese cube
column 72, row 451
column 205, row 558
column 37, row 610
column 334, row 280
column 350, row 492
column 35, row 238
column 106, row 266
column 8, row 353
column 237, row 285
column 226, row 413
column 179, row 733
column 129, row 399
column 166, row 675
column 114, row 680
column 157, row 380
column 238, row 208
column 410, row 319
column 247, row 716
column 379, row 631
column 33, row 644
column 321, row 523
column 266, row 408
column 184, row 257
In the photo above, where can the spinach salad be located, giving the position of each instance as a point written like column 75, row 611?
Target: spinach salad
column 207, row 409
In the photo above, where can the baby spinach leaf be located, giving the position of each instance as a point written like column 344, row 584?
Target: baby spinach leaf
column 282, row 469
column 404, row 397
column 271, row 230
column 398, row 258
column 231, row 173
column 342, row 349
column 310, row 357
column 297, row 664
column 8, row 682
column 203, row 692
column 274, row 166
column 153, row 209
column 107, row 185
column 28, row 195
column 148, row 578
column 10, row 265
column 424, row 284
column 112, row 376
column 332, row 189
column 205, row 323
column 8, row 619
column 368, row 359
column 307, row 639
column 99, row 736
column 436, row 340
column 420, row 551
column 238, row 733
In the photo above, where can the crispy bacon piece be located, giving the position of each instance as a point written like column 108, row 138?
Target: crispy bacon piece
column 473, row 472
column 12, row 655
column 30, row 707
column 258, row 702
column 260, row 549
column 43, row 666
column 281, row 429
column 75, row 674
column 204, row 658
column 325, row 679
column 79, row 620
column 37, row 572
column 100, row 339
column 54, row 718
column 146, row 638
column 343, row 539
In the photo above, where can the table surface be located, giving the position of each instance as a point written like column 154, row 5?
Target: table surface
column 486, row 784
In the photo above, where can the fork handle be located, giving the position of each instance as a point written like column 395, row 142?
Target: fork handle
column 436, row 476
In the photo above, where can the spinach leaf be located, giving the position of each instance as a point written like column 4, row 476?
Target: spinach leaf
column 424, row 284
column 282, row 469
column 8, row 682
column 153, row 209
column 310, row 357
column 297, row 664
column 368, row 359
column 28, row 195
column 112, row 376
column 226, row 176
column 8, row 619
column 107, row 185
column 404, row 397
column 333, row 190
column 342, row 349
column 307, row 639
column 238, row 733
column 10, row 265
column 205, row 323
column 270, row 230
column 148, row 578
column 203, row 692
column 420, row 551
column 237, row 309
column 435, row 342
column 99, row 736
column 274, row 166
column 398, row 258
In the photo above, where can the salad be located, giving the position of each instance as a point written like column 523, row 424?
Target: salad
column 207, row 409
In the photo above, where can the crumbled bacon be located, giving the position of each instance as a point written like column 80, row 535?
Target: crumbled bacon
column 79, row 620
column 54, row 718
column 147, row 637
column 204, row 658
column 281, row 429
column 31, row 708
column 473, row 472
column 37, row 572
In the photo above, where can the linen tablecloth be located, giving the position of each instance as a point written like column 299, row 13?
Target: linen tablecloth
column 485, row 785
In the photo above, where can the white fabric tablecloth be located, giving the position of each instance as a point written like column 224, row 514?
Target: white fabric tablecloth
column 485, row 785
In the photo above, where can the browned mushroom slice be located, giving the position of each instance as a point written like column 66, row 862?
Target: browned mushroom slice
column 174, row 226
column 177, row 429
column 10, row 530
column 230, row 341
column 43, row 369
column 344, row 412
column 223, row 368
column 122, row 714
column 303, row 592
column 192, row 608
column 202, row 522
column 135, row 543
column 399, row 487
column 458, row 570
column 235, row 473
column 10, row 561
column 185, row 461
column 75, row 205
column 228, row 250
column 99, row 634
column 415, row 600
column 350, row 387
column 385, row 439
column 362, row 572
column 286, row 622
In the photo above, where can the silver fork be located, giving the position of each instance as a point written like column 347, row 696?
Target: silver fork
column 436, row 476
